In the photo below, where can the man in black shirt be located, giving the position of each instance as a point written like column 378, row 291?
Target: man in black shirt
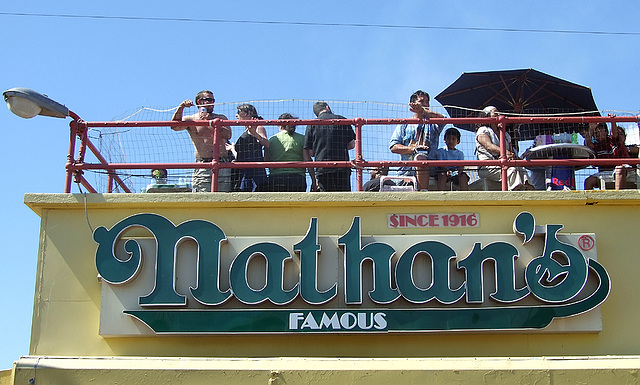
column 329, row 143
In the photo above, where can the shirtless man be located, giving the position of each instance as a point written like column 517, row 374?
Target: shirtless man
column 202, row 138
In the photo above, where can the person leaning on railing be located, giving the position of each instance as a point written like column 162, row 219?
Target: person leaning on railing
column 417, row 141
column 249, row 149
column 202, row 138
column 329, row 143
column 488, row 148
column 606, row 145
column 286, row 146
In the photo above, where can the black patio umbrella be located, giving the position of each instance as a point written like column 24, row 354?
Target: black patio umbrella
column 523, row 91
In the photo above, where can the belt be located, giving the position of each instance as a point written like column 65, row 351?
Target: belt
column 222, row 159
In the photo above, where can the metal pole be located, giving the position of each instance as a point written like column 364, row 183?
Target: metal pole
column 110, row 182
column 359, row 159
column 73, row 128
column 503, row 152
column 215, row 155
column 86, row 184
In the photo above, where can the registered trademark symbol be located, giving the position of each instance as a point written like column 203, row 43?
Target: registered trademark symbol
column 586, row 242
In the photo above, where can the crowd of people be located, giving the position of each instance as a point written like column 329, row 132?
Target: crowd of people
column 607, row 145
column 332, row 142
column 320, row 143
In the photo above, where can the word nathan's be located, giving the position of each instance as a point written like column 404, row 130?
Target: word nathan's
column 555, row 283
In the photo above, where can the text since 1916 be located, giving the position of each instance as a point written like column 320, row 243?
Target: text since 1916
column 400, row 221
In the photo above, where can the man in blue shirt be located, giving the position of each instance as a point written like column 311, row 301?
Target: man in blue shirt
column 417, row 141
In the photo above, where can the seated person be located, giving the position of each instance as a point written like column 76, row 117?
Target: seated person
column 417, row 141
column 606, row 145
column 374, row 182
column 488, row 148
column 453, row 174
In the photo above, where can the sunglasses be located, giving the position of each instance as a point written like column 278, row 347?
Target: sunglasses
column 207, row 100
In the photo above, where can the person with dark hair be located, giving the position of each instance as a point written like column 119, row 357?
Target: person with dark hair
column 318, row 107
column 249, row 149
column 417, row 141
column 287, row 146
column 607, row 145
column 202, row 138
column 329, row 143
column 488, row 148
column 375, row 176
column 454, row 174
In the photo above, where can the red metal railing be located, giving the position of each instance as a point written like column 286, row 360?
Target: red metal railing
column 79, row 128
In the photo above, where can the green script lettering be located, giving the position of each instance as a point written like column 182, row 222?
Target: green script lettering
column 380, row 254
column 558, row 275
column 207, row 235
column 309, row 249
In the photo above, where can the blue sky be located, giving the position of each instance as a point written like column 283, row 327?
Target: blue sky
column 103, row 67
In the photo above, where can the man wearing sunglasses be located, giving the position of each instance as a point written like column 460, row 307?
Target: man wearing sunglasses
column 202, row 138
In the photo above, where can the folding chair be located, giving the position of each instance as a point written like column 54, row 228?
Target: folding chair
column 407, row 183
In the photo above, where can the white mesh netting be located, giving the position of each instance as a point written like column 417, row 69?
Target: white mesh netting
column 163, row 145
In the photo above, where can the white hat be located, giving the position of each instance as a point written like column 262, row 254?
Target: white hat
column 489, row 109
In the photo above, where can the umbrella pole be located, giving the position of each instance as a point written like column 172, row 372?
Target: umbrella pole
column 503, row 152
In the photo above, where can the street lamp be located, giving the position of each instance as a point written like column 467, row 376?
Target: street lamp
column 27, row 103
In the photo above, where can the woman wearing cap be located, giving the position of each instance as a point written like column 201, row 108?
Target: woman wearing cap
column 488, row 148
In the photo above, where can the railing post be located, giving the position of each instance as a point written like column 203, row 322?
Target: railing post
column 215, row 154
column 359, row 158
column 82, row 134
column 73, row 128
column 110, row 181
column 503, row 152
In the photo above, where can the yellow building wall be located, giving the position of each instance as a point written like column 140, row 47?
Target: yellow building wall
column 67, row 298
column 6, row 377
column 304, row 371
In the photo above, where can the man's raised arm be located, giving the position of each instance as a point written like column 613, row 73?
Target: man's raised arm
column 177, row 116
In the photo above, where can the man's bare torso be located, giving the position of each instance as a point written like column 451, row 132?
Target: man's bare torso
column 202, row 136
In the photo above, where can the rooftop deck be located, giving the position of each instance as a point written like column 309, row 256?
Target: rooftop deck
column 123, row 152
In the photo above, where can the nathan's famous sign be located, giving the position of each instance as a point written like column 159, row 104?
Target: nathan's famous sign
column 193, row 278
